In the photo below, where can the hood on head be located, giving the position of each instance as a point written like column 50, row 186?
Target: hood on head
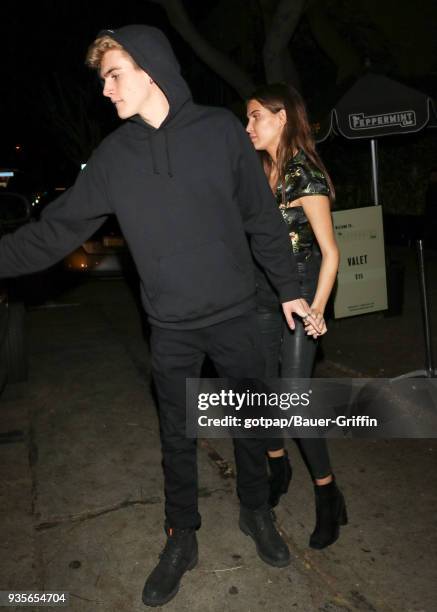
column 151, row 50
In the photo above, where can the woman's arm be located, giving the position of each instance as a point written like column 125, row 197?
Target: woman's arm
column 318, row 212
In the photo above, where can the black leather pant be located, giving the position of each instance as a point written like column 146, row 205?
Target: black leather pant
column 291, row 354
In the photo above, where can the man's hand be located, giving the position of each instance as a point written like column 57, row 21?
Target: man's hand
column 301, row 308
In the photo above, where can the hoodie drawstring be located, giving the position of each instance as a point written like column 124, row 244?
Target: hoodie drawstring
column 152, row 153
column 167, row 150
column 167, row 153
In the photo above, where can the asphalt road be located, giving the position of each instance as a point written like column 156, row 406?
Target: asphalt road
column 82, row 501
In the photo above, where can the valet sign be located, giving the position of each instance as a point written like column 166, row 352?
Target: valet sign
column 362, row 283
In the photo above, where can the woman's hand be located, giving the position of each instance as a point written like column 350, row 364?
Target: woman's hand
column 318, row 317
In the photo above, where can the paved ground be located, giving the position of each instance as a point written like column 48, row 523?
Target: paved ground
column 81, row 487
column 387, row 346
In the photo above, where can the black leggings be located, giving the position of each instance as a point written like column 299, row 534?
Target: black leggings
column 291, row 354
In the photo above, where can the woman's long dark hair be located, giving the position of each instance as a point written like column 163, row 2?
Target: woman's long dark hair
column 296, row 133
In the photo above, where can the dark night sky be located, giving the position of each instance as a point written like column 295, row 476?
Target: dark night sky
column 51, row 37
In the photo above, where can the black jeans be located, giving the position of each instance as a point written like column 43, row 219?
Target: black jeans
column 291, row 354
column 234, row 347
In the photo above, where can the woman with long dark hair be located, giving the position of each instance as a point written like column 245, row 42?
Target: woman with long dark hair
column 279, row 129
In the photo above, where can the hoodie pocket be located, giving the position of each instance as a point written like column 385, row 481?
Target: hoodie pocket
column 199, row 281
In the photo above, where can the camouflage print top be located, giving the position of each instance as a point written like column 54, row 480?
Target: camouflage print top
column 302, row 178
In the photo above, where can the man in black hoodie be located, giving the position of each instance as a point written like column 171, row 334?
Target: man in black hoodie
column 187, row 187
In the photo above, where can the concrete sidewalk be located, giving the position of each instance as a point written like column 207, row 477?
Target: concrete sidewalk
column 82, row 497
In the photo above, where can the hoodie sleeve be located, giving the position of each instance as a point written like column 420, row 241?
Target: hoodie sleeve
column 262, row 219
column 64, row 225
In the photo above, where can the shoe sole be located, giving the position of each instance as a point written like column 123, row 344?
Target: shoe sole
column 156, row 604
column 272, row 562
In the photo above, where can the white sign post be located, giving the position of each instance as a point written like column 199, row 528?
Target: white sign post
column 362, row 286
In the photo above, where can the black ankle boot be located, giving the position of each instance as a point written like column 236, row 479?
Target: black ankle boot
column 258, row 524
column 281, row 473
column 330, row 514
column 178, row 556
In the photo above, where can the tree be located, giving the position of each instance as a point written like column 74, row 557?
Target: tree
column 374, row 33
column 280, row 26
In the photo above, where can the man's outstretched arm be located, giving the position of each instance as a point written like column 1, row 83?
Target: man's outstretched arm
column 64, row 225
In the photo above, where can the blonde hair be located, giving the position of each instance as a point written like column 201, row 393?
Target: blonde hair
column 99, row 47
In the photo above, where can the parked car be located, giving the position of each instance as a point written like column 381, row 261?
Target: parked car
column 3, row 329
column 41, row 198
column 13, row 349
column 104, row 254
column 14, row 211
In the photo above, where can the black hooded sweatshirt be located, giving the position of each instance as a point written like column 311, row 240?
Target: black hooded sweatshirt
column 187, row 195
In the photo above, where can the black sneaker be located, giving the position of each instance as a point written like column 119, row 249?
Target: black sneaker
column 179, row 555
column 259, row 525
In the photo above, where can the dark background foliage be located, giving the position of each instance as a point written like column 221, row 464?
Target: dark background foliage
column 53, row 114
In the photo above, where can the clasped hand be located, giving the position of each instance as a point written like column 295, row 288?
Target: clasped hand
column 316, row 325
column 313, row 319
